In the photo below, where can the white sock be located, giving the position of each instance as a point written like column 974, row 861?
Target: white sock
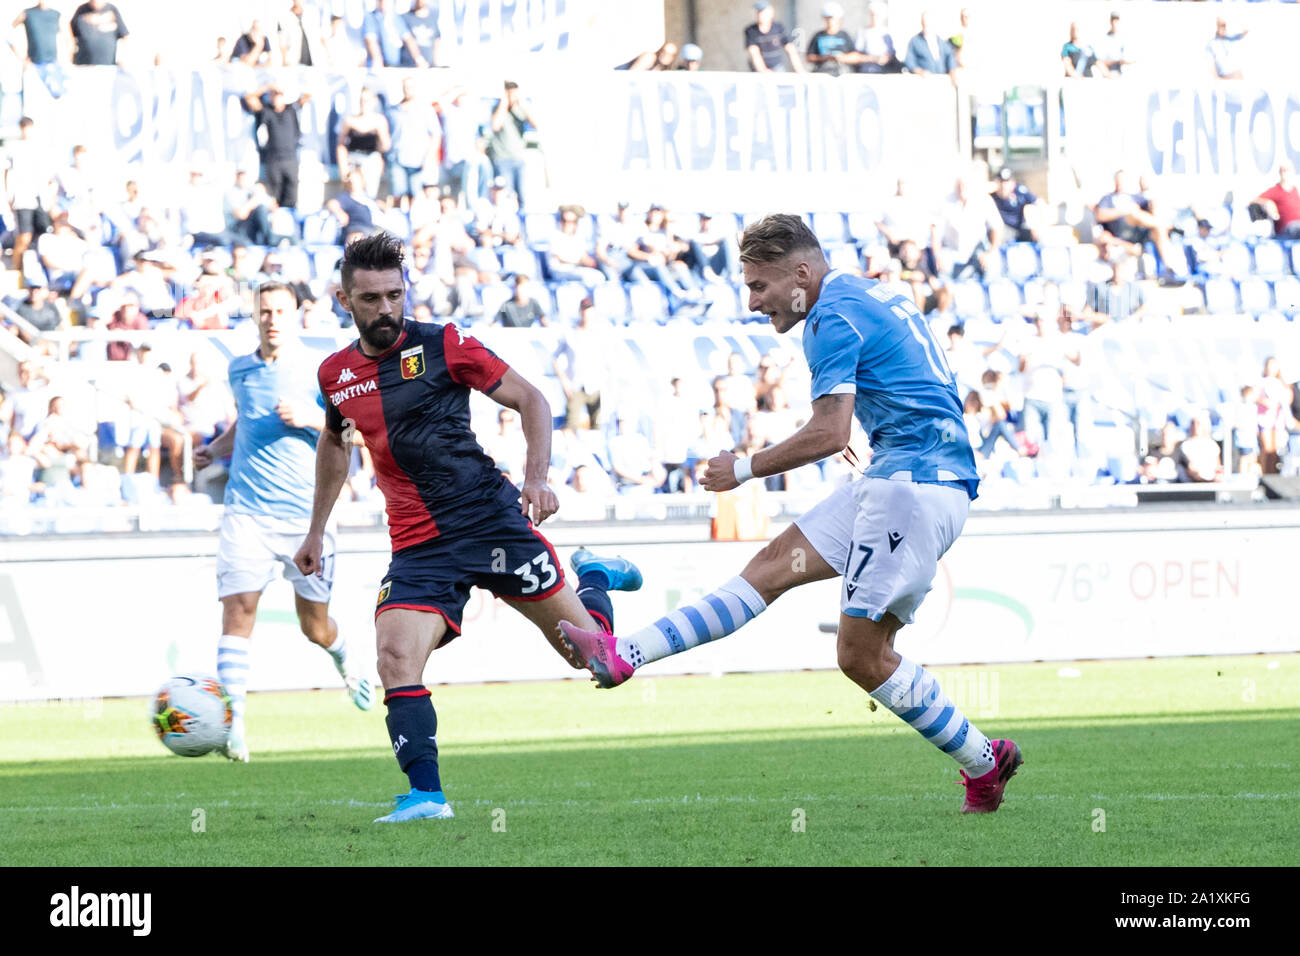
column 232, row 671
column 339, row 651
column 912, row 694
column 713, row 616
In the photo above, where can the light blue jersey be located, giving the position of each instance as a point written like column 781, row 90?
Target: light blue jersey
column 273, row 468
column 864, row 339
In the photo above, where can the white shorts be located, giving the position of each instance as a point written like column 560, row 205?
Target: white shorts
column 253, row 548
column 886, row 537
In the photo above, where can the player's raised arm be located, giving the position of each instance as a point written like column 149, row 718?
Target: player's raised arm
column 826, row 433
column 538, row 500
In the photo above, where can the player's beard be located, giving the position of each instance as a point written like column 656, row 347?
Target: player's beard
column 381, row 333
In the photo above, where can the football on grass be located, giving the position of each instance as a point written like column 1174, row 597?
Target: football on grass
column 191, row 714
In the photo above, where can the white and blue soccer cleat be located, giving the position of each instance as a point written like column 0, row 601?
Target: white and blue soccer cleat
column 234, row 748
column 419, row 805
column 361, row 691
column 620, row 573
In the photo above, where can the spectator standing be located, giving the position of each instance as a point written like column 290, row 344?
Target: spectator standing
column 422, row 50
column 40, row 25
column 26, row 182
column 768, row 45
column 364, row 139
column 342, row 51
column 1111, row 51
column 280, row 121
column 1079, row 58
column 507, row 148
column 462, row 161
column 971, row 227
column 1244, row 421
column 417, row 139
column 1044, row 383
column 928, row 52
column 1275, row 397
column 1198, row 456
column 831, row 50
column 205, row 403
column 302, row 35
column 252, row 48
column 1013, row 201
column 521, row 310
column 96, row 27
column 1281, row 203
column 202, row 211
column 632, row 458
column 902, row 217
column 875, row 46
column 386, row 35
column 582, row 364
column 1225, row 51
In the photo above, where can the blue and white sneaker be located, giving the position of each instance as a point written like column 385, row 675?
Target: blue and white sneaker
column 419, row 805
column 620, row 573
column 361, row 691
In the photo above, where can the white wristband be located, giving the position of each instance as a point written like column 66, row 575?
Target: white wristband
column 743, row 468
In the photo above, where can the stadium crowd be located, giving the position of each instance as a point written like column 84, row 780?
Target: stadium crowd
column 103, row 259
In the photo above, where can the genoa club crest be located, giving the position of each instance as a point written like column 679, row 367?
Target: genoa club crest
column 413, row 362
column 383, row 592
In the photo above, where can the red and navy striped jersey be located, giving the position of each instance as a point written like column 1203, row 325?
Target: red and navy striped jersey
column 411, row 405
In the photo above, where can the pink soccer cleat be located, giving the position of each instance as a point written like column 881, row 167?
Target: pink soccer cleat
column 599, row 654
column 984, row 793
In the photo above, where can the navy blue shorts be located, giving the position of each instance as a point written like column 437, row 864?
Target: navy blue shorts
column 505, row 555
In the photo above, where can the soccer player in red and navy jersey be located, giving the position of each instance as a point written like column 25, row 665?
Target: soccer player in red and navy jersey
column 454, row 518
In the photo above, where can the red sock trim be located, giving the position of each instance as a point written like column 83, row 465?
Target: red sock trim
column 601, row 620
column 422, row 692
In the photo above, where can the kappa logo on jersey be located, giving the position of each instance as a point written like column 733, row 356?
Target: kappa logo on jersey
column 352, row 391
column 345, row 376
column 895, row 539
column 383, row 592
column 413, row 362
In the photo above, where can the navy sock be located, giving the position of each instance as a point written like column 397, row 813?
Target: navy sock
column 593, row 589
column 413, row 729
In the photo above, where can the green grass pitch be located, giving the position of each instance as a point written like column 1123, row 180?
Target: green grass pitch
column 1169, row 762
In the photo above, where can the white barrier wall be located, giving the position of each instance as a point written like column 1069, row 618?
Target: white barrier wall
column 1023, row 588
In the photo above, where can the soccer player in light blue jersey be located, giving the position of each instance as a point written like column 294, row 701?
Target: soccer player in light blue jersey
column 268, row 503
column 871, row 356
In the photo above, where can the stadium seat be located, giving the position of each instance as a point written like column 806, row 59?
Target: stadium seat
column 969, row 299
column 1004, row 298
column 568, row 298
column 862, row 227
column 1270, row 259
column 1074, row 294
column 829, row 228
column 1220, row 297
column 1236, row 260
column 647, row 303
column 538, row 229
column 1286, row 293
column 516, row 261
column 1083, row 262
column 1256, row 297
column 610, row 302
column 492, row 298
column 1022, row 261
column 1295, row 257
column 845, row 257
column 1056, row 264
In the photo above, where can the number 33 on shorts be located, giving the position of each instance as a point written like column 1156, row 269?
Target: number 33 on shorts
column 532, row 583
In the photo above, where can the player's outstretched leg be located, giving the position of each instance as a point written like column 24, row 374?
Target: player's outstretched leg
column 867, row 657
column 320, row 629
column 614, row 659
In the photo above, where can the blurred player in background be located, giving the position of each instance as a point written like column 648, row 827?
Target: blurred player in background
column 272, row 446
column 456, row 521
column 870, row 354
